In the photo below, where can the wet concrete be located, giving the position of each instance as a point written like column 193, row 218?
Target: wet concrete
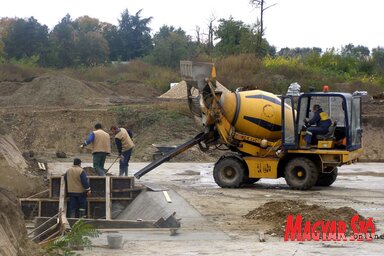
column 208, row 223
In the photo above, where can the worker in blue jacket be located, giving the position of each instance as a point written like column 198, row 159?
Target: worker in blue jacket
column 322, row 122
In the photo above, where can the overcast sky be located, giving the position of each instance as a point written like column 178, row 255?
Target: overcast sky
column 290, row 23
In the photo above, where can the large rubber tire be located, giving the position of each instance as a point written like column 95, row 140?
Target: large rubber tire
column 301, row 173
column 327, row 179
column 229, row 172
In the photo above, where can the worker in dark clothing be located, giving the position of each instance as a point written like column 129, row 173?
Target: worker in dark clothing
column 124, row 146
column 322, row 121
column 101, row 147
column 77, row 189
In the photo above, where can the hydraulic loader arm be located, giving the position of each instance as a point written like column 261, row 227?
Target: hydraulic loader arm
column 180, row 149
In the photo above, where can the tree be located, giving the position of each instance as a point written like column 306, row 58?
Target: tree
column 299, row 52
column 63, row 43
column 134, row 35
column 170, row 46
column 211, row 33
column 260, row 4
column 87, row 24
column 111, row 34
column 231, row 34
column 378, row 59
column 359, row 52
column 92, row 49
column 5, row 24
column 25, row 38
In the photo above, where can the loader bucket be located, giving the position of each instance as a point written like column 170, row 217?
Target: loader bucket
column 196, row 73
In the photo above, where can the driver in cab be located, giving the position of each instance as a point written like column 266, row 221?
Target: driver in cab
column 322, row 122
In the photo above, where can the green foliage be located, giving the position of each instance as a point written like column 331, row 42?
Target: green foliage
column 358, row 52
column 275, row 74
column 239, row 38
column 63, row 41
column 77, row 238
column 92, row 49
column 25, row 38
column 110, row 33
column 378, row 59
column 134, row 33
column 230, row 33
column 147, row 116
column 171, row 46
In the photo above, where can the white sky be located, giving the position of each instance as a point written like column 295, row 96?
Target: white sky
column 290, row 23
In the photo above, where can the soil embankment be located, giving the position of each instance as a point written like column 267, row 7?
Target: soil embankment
column 55, row 113
column 13, row 234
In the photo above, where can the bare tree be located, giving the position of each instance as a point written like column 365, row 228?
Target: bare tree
column 197, row 30
column 210, row 33
column 260, row 4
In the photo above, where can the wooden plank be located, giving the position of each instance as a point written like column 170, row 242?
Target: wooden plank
column 62, row 194
column 114, row 224
column 38, row 199
column 107, row 198
column 44, row 191
column 126, row 190
column 63, row 205
column 167, row 197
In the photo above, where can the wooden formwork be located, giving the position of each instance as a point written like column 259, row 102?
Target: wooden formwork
column 107, row 192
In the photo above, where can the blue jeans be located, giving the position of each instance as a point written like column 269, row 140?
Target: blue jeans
column 77, row 202
column 124, row 162
column 98, row 162
column 315, row 130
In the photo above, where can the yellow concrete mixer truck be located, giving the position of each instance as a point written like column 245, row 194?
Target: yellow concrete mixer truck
column 265, row 134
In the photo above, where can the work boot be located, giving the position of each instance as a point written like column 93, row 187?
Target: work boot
column 82, row 213
column 123, row 171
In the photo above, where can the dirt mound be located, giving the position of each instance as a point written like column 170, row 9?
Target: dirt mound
column 179, row 91
column 8, row 88
column 54, row 90
column 13, row 234
column 275, row 213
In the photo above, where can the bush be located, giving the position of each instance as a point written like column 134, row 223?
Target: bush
column 77, row 238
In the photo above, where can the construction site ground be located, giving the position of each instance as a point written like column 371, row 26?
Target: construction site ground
column 53, row 114
column 213, row 219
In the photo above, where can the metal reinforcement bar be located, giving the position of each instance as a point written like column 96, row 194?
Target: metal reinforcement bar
column 171, row 154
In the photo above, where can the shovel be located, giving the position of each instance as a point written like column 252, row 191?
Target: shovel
column 106, row 171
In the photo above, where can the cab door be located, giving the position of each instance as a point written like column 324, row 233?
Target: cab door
column 289, row 127
column 356, row 130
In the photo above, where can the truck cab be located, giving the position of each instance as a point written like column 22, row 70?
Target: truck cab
column 343, row 109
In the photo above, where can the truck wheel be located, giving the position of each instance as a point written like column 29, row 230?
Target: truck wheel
column 327, row 179
column 229, row 172
column 301, row 173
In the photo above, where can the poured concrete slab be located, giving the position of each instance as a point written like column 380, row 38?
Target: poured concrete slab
column 153, row 205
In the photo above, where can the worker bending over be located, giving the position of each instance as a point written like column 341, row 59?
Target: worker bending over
column 124, row 146
column 101, row 147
